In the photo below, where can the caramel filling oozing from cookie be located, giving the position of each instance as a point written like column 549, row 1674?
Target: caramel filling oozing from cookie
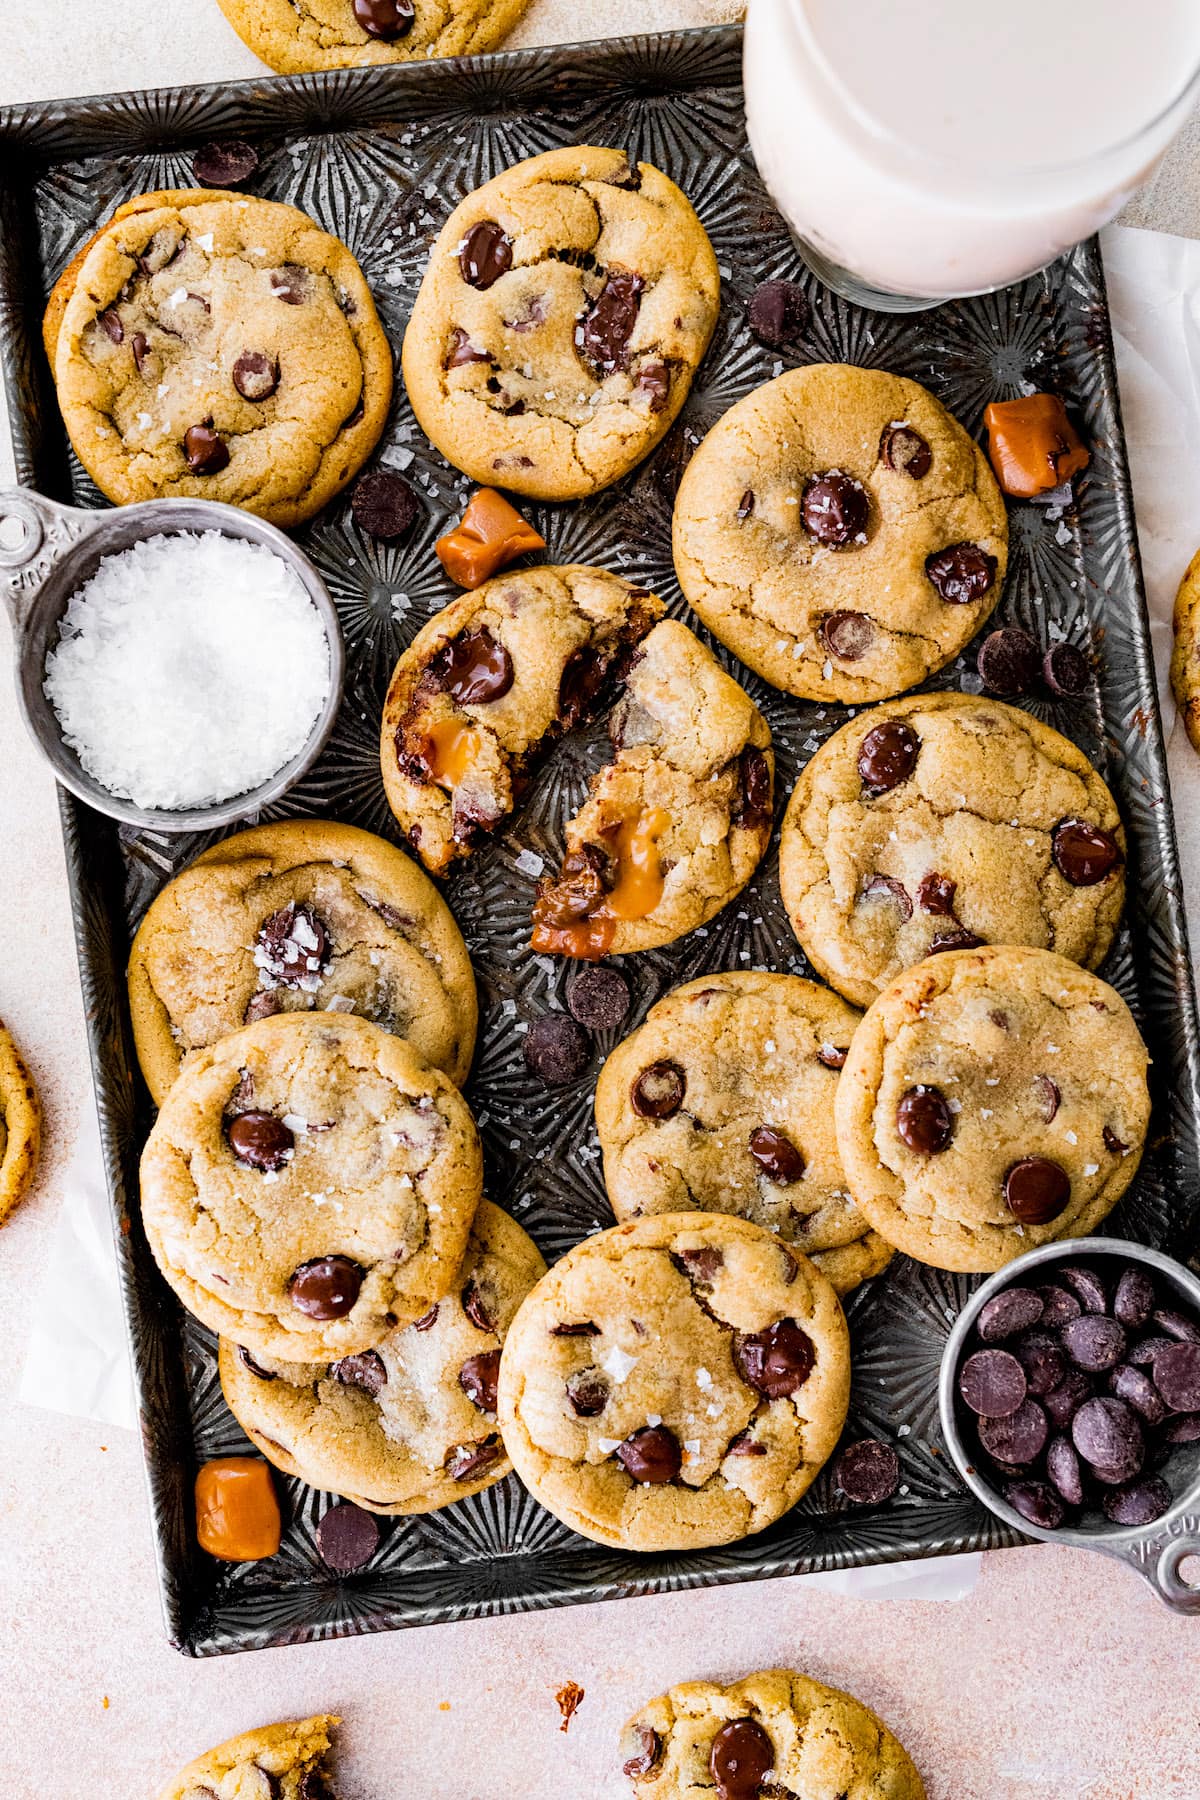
column 637, row 887
column 237, row 1509
column 1032, row 444
column 452, row 748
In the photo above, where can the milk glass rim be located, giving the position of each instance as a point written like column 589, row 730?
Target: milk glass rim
column 917, row 154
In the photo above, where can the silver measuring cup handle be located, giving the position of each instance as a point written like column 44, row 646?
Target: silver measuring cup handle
column 34, row 533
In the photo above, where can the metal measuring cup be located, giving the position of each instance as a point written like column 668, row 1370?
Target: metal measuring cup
column 48, row 551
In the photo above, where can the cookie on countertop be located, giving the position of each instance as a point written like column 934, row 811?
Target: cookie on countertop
column 299, row 37
column 992, row 1100
column 489, row 684
column 219, row 347
column 941, row 820
column 563, row 313
column 676, row 824
column 20, row 1125
column 722, row 1101
column 776, row 1731
column 841, row 533
column 305, row 915
column 409, row 1425
column 675, row 1382
column 310, row 1183
column 272, row 1762
column 1185, row 656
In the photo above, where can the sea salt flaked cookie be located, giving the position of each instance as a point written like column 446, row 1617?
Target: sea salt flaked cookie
column 219, row 347
column 305, row 915
column 409, row 1425
column 489, row 684
column 776, row 1732
column 1185, row 656
column 940, row 821
column 565, row 308
column 676, row 824
column 272, row 1762
column 992, row 1100
column 301, row 36
column 310, row 1183
column 841, row 533
column 675, row 1382
column 722, row 1101
column 20, row 1126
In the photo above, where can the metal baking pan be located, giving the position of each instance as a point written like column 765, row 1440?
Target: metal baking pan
column 379, row 157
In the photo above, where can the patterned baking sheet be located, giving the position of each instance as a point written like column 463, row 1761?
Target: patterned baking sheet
column 379, row 157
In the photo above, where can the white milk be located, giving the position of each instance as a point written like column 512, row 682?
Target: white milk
column 941, row 147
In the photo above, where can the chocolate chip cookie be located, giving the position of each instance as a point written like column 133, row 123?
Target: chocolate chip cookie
column 305, row 915
column 939, row 822
column 722, row 1101
column 309, row 1184
column 993, row 1099
column 1185, row 656
column 565, row 308
column 409, row 1425
column 223, row 348
column 489, row 684
column 841, row 533
column 285, row 1762
column 20, row 1126
column 777, row 1732
column 675, row 1382
column 675, row 825
column 300, row 36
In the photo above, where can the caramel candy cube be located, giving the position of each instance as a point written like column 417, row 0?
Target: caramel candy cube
column 492, row 535
column 237, row 1509
column 1033, row 445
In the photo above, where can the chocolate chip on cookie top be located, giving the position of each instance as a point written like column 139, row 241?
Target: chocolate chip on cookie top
column 674, row 1382
column 943, row 821
column 489, row 684
column 840, row 532
column 286, row 1762
column 992, row 1099
column 301, row 36
column 212, row 345
column 565, row 308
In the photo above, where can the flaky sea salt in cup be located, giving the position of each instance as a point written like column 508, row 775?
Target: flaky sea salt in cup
column 189, row 669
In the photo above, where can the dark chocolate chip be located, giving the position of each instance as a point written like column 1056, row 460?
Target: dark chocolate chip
column 1145, row 1353
column 924, row 1121
column 654, row 381
column 1064, row 1401
column 1135, row 1387
column 992, row 1383
column 1065, row 671
column 473, row 668
column 1014, row 1309
column 326, row 1287
column 1062, row 1466
column 651, row 1454
column 777, row 1361
column 556, row 1049
column 740, row 1758
column 462, row 351
column 584, row 1328
column 778, row 313
column 835, row 509
column 1112, row 1143
column 1093, row 1342
column 1009, row 662
column 290, row 283
column 294, row 943
column 1086, row 1286
column 1138, row 1502
column 1057, row 1306
column 580, row 685
column 227, row 164
column 1036, row 1190
column 347, row 1537
column 1084, row 854
column 1017, row 1437
column 962, row 573
column 467, row 1462
column 1176, row 1324
column 260, row 1140
column 384, row 505
column 745, row 1445
column 140, row 348
column 886, row 887
column 905, row 450
column 1177, row 1376
column 110, row 323
column 646, row 1755
column 847, row 635
column 1041, row 1356
column 935, row 894
column 206, row 451
column 588, row 1391
column 1049, row 1096
column 1107, row 1435
column 1036, row 1502
column 603, row 331
column 248, row 1362
column 867, row 1472
column 1183, row 1430
column 701, row 1263
column 478, row 1377
column 475, row 1307
column 386, row 20
column 366, row 1370
column 833, row 1056
column 776, row 1155
column 628, row 176
column 657, row 1093
column 428, row 1320
column 887, row 756
column 485, row 254
column 755, row 798
column 745, row 506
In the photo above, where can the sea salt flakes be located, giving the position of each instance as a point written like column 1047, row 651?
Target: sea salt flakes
column 618, row 1363
column 529, row 863
column 189, row 669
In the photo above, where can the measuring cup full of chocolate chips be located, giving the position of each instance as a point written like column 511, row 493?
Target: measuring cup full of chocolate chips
column 179, row 662
column 1070, row 1404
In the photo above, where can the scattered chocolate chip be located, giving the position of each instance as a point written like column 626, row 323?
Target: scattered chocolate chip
column 462, row 351
column 776, row 1155
column 1138, row 1502
column 745, row 1445
column 886, row 887
column 833, row 1056
column 887, row 756
column 255, row 375
column 905, row 450
column 206, row 451
column 580, row 685
column 778, row 313
column 485, row 254
column 603, row 330
column 777, row 1361
column 1036, row 1190
column 1107, row 1435
column 227, row 164
column 701, row 1263
column 428, row 1320
column 1014, row 1309
column 1063, row 1468
column 992, row 1383
column 584, row 1328
column 651, row 1454
column 755, row 804
column 326, row 1287
column 347, row 1537
column 475, row 1307
column 1084, row 854
column 1057, row 1306
column 1048, row 1095
column 935, row 894
column 1086, row 1286
column 867, row 1472
column 1177, row 1376
column 260, row 1140
column 110, row 324
column 1136, row 1389
column 959, row 939
column 598, row 997
column 290, row 283
column 1041, row 1356
column 1065, row 671
column 293, row 945
column 467, row 1462
column 1017, row 1437
column 366, row 1370
column 740, row 1758
column 1009, row 662
column 556, row 1049
column 654, row 381
column 835, row 509
column 1112, row 1143
column 478, row 1377
column 384, row 505
column 473, row 668
column 847, row 635
column 1093, row 1342
column 962, row 573
column 646, row 1755
column 141, row 350
column 745, row 506
column 924, row 1121
column 386, row 20
column 588, row 1391
column 1036, row 1502
column 248, row 1362
column 657, row 1093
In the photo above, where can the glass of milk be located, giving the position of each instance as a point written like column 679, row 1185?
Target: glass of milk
column 923, row 149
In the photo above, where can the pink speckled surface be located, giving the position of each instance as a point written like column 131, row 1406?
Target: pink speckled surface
column 1059, row 1677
